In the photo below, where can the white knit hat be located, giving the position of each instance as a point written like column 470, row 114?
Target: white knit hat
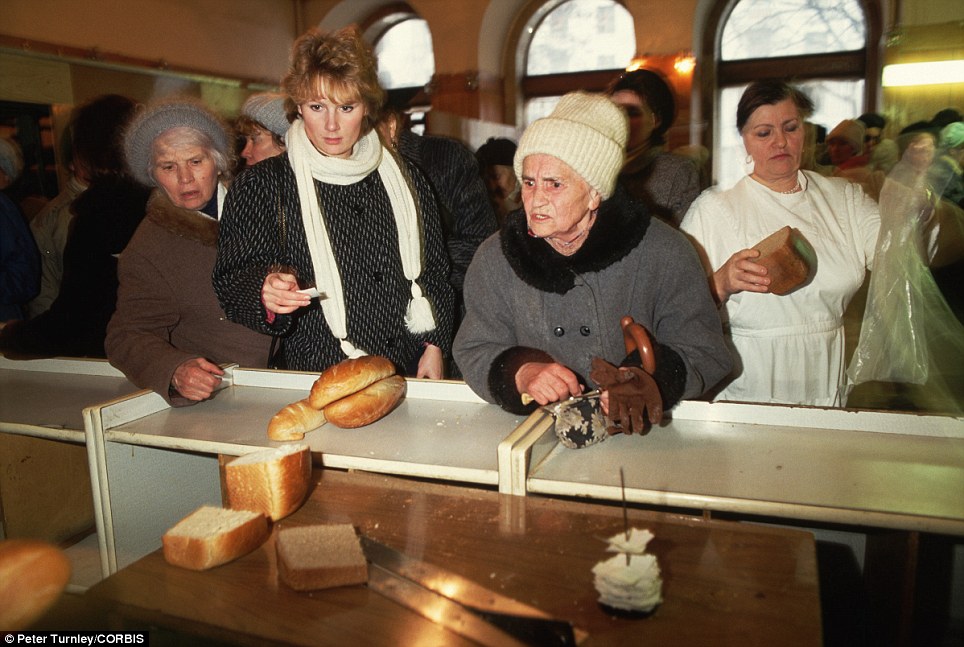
column 586, row 131
column 158, row 118
column 849, row 130
column 268, row 109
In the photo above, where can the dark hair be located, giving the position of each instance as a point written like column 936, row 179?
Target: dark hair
column 768, row 93
column 341, row 65
column 96, row 132
column 945, row 117
column 496, row 151
column 656, row 92
column 872, row 120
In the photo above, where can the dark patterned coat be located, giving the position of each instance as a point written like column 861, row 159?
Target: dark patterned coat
column 262, row 228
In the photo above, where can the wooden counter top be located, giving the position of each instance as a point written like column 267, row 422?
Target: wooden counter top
column 724, row 583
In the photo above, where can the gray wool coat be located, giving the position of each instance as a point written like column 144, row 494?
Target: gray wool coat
column 525, row 302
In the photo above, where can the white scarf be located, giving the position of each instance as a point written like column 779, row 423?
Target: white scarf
column 366, row 156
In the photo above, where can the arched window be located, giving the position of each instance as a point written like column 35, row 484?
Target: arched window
column 826, row 47
column 406, row 61
column 404, row 51
column 572, row 44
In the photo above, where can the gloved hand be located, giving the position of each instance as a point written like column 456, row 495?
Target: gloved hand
column 631, row 392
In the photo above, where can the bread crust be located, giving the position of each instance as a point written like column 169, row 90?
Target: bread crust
column 294, row 421
column 273, row 482
column 220, row 547
column 368, row 405
column 33, row 574
column 348, row 377
column 788, row 257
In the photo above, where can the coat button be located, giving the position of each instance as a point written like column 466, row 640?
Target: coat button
column 584, row 331
column 558, row 331
column 377, row 276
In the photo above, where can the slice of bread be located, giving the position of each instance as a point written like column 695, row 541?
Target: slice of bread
column 789, row 258
column 210, row 536
column 271, row 481
column 320, row 557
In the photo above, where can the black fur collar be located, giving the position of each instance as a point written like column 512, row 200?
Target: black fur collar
column 620, row 224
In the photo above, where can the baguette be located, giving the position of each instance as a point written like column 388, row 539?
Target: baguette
column 347, row 377
column 210, row 536
column 320, row 557
column 789, row 259
column 294, row 421
column 273, row 482
column 368, row 405
column 33, row 574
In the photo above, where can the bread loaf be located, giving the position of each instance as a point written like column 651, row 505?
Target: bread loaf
column 320, row 557
column 33, row 574
column 789, row 259
column 368, row 405
column 294, row 421
column 273, row 482
column 348, row 377
column 210, row 536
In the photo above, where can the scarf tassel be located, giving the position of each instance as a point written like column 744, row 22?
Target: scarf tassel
column 419, row 317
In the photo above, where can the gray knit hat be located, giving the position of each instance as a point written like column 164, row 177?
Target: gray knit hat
column 160, row 116
column 11, row 159
column 268, row 109
column 586, row 131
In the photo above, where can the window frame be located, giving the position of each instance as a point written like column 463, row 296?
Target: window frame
column 716, row 73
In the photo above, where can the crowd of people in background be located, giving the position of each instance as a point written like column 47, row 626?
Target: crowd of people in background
column 318, row 226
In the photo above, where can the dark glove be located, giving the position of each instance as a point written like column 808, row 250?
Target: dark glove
column 631, row 392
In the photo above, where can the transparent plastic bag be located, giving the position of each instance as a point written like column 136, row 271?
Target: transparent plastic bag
column 908, row 331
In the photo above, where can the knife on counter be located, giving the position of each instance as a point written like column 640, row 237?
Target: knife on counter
column 459, row 604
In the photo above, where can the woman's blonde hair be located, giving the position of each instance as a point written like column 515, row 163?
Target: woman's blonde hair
column 338, row 65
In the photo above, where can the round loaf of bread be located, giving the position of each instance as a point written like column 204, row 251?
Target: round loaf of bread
column 348, row 377
column 33, row 574
column 368, row 405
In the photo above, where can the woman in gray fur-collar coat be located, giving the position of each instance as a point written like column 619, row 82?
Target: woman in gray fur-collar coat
column 545, row 296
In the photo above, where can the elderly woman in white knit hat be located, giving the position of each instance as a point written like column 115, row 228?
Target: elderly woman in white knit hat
column 168, row 332
column 263, row 124
column 340, row 214
column 545, row 295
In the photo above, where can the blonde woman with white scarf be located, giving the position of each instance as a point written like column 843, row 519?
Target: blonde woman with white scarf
column 340, row 213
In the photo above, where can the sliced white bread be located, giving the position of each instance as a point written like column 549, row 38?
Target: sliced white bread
column 320, row 557
column 211, row 536
column 271, row 481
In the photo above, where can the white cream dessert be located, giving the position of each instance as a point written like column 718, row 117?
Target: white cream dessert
column 629, row 580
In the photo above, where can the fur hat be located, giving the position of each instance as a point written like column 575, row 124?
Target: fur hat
column 851, row 131
column 160, row 116
column 268, row 109
column 586, row 131
column 11, row 159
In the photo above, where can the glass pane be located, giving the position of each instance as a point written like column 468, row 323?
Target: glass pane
column 834, row 101
column 539, row 108
column 405, row 58
column 582, row 35
column 766, row 28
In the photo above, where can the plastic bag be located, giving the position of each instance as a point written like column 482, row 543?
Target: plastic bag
column 908, row 331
